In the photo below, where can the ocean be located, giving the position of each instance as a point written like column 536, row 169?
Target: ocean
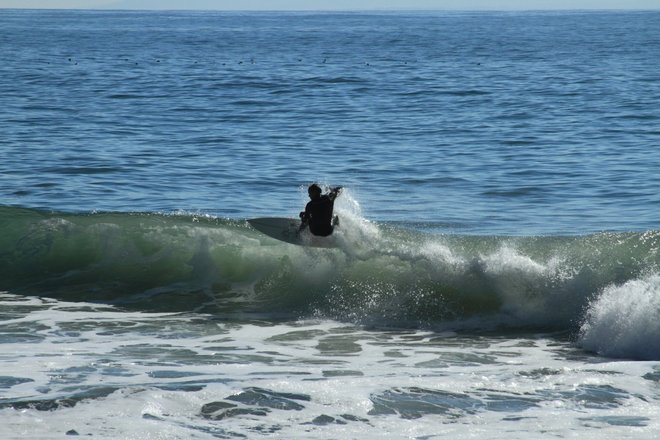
column 497, row 269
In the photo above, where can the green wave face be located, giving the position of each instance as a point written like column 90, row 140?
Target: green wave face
column 379, row 275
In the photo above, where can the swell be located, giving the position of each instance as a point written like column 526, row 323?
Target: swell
column 380, row 274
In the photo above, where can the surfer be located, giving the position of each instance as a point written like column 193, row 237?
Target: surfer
column 318, row 212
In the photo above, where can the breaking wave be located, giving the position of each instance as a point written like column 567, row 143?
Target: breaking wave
column 603, row 286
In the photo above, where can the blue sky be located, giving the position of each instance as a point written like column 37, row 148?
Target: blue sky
column 334, row 4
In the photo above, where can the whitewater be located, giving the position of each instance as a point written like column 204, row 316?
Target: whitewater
column 497, row 268
column 198, row 326
column 601, row 287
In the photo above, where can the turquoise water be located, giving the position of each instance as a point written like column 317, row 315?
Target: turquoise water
column 497, row 269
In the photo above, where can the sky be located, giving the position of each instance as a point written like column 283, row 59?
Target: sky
column 334, row 4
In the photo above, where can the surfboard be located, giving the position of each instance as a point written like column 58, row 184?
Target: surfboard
column 286, row 229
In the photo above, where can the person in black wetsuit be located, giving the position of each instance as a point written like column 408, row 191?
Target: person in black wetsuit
column 318, row 212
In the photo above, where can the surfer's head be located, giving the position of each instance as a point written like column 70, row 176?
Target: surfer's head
column 314, row 191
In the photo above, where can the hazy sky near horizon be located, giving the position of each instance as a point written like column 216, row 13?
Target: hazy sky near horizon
column 333, row 4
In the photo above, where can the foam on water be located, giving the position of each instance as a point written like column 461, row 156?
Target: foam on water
column 380, row 275
column 624, row 320
column 104, row 372
column 535, row 131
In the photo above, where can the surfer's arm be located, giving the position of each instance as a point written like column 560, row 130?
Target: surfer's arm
column 304, row 220
column 303, row 224
column 334, row 193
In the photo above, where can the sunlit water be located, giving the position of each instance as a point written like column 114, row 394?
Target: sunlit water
column 496, row 273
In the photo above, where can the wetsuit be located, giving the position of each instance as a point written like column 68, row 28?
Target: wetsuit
column 318, row 215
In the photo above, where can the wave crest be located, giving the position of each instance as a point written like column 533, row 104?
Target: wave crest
column 381, row 274
column 624, row 321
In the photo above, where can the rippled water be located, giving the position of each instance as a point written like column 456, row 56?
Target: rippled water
column 488, row 123
column 102, row 372
column 498, row 259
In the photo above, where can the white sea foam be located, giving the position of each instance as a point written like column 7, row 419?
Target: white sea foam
column 304, row 379
column 624, row 320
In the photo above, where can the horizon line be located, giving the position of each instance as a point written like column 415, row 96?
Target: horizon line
column 585, row 9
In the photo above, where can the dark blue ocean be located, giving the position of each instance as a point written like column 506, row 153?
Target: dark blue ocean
column 497, row 269
column 514, row 123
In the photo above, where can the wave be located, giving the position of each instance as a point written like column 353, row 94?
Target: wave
column 624, row 321
column 593, row 285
